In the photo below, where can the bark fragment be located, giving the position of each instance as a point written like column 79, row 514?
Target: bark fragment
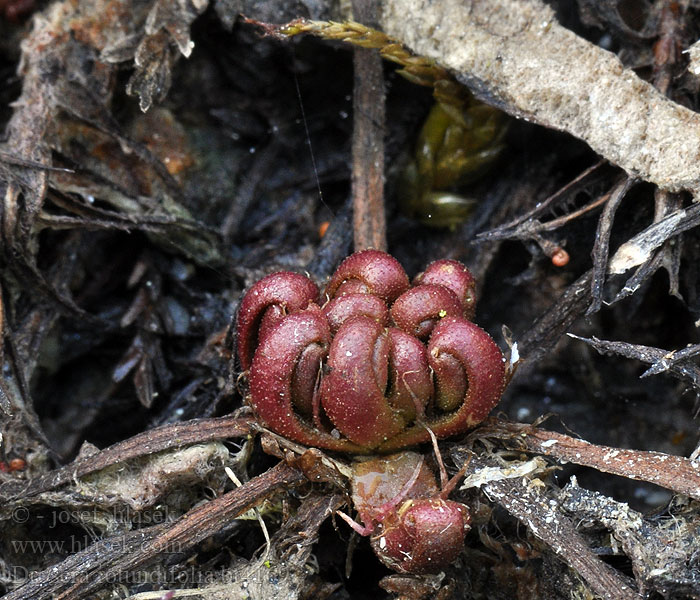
column 517, row 56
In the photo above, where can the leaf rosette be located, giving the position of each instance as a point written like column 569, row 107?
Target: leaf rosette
column 375, row 363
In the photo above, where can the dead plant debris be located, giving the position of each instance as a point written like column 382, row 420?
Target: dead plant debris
column 155, row 162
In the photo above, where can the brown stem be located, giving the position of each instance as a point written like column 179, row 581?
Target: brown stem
column 369, row 221
column 530, row 506
column 676, row 473
column 174, row 435
column 115, row 559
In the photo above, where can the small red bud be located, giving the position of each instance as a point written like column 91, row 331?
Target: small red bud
column 425, row 536
column 414, row 529
column 417, row 310
column 454, row 276
column 369, row 272
column 17, row 464
column 340, row 309
column 560, row 257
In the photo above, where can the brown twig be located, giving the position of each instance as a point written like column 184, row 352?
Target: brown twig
column 648, row 354
column 556, row 319
column 369, row 220
column 638, row 249
column 640, row 276
column 526, row 502
column 522, row 226
column 667, row 49
column 602, row 242
column 668, row 256
column 297, row 536
column 115, row 559
column 675, row 473
column 162, row 438
column 672, row 359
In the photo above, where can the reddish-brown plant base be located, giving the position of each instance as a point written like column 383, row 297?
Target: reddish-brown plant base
column 376, row 364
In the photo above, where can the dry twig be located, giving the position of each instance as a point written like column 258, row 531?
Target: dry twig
column 110, row 560
column 602, row 242
column 369, row 220
column 654, row 356
column 676, row 473
column 148, row 442
column 526, row 501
